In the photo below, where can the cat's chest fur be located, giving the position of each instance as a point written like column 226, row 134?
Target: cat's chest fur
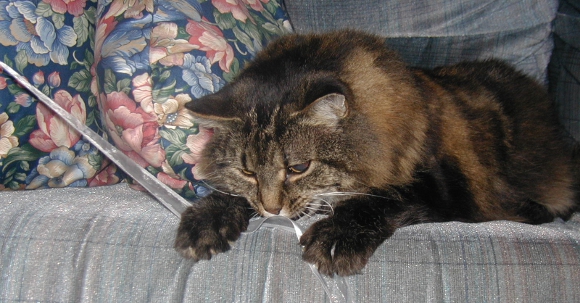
column 337, row 123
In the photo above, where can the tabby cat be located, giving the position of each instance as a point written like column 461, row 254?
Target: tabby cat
column 337, row 123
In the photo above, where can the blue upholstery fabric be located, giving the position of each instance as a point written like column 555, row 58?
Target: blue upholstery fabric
column 432, row 33
column 565, row 66
column 117, row 246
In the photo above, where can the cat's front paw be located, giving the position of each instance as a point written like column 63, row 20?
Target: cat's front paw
column 337, row 248
column 206, row 231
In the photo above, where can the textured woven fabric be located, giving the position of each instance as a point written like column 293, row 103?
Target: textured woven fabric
column 431, row 33
column 565, row 66
column 116, row 246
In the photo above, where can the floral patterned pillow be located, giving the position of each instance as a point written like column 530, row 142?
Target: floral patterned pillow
column 153, row 57
column 51, row 43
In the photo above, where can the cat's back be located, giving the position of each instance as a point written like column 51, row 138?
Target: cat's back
column 500, row 128
column 494, row 97
column 515, row 91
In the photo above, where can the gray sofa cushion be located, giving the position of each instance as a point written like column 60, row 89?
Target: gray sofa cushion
column 433, row 33
column 565, row 66
column 115, row 245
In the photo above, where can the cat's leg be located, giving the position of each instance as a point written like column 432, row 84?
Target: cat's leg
column 343, row 243
column 208, row 227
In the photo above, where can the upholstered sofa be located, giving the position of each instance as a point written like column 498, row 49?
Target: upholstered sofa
column 73, row 230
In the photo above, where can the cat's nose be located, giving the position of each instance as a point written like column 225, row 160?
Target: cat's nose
column 274, row 210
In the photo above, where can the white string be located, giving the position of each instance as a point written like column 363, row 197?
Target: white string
column 291, row 226
column 165, row 195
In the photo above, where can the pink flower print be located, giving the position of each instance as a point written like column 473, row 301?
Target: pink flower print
column 73, row 7
column 106, row 176
column 3, row 83
column 129, row 8
column 94, row 83
column 7, row 140
column 170, row 178
column 54, row 79
column 256, row 4
column 38, row 78
column 54, row 132
column 142, row 91
column 104, row 28
column 165, row 48
column 235, row 7
column 196, row 143
column 239, row 8
column 23, row 99
column 133, row 130
column 210, row 39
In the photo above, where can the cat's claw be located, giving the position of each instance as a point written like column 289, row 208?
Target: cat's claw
column 335, row 249
column 191, row 253
column 199, row 253
column 204, row 233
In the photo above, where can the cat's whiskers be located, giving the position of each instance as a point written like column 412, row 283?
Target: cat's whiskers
column 392, row 194
column 325, row 207
column 342, row 193
column 312, row 208
column 219, row 191
column 304, row 213
column 255, row 215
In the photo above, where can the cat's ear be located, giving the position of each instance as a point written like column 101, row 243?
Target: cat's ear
column 327, row 110
column 213, row 111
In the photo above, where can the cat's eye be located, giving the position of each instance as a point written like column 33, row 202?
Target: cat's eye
column 299, row 168
column 248, row 173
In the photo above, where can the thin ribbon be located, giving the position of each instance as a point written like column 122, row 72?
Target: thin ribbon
column 292, row 226
column 165, row 195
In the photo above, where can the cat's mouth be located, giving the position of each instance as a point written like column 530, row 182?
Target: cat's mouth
column 315, row 206
column 267, row 213
column 318, row 204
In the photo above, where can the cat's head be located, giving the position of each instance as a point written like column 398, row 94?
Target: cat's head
column 284, row 159
column 290, row 134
